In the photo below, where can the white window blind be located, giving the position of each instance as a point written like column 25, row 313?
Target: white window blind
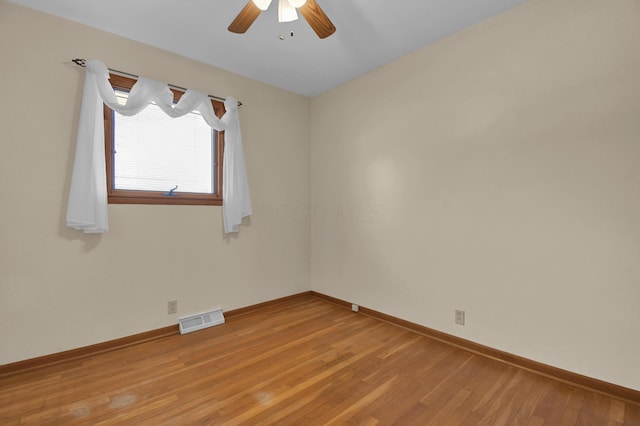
column 154, row 152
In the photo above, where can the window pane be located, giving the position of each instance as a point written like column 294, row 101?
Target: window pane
column 154, row 152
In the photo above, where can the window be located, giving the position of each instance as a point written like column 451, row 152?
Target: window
column 150, row 154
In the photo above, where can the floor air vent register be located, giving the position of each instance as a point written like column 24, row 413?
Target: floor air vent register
column 200, row 321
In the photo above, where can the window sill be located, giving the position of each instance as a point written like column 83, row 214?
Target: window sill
column 134, row 197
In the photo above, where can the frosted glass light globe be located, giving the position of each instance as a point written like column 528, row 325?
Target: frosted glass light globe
column 262, row 4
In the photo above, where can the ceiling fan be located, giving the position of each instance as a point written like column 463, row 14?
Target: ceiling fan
column 309, row 9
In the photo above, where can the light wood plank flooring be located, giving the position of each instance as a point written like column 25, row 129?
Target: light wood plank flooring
column 305, row 362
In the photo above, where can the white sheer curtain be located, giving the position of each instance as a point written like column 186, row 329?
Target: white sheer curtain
column 87, row 208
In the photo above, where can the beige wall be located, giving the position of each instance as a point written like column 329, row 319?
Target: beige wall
column 61, row 289
column 496, row 171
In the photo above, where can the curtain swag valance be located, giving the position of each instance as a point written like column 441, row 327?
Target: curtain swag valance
column 87, row 208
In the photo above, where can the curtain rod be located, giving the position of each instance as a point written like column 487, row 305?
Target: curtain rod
column 82, row 63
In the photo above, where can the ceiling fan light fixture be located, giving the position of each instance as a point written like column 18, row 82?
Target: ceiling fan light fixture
column 262, row 4
column 286, row 12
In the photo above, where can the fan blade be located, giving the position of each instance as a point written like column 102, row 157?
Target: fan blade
column 317, row 19
column 245, row 18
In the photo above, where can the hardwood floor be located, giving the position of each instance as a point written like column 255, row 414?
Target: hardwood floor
column 304, row 361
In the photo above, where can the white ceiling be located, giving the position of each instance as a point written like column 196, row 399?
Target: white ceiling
column 369, row 33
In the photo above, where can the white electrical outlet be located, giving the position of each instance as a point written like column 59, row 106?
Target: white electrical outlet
column 459, row 317
column 172, row 307
column 355, row 308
